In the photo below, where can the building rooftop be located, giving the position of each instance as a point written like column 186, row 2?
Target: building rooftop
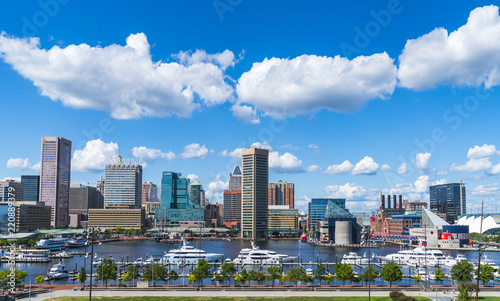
column 236, row 171
column 431, row 219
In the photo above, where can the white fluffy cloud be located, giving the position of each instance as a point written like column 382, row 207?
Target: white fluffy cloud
column 22, row 164
column 385, row 167
column 94, row 156
column 351, row 191
column 313, row 168
column 215, row 190
column 486, row 190
column 468, row 56
column 305, row 84
column 286, row 163
column 367, row 166
column 403, row 169
column 151, row 154
column 245, row 113
column 224, row 59
column 342, row 168
column 478, row 152
column 192, row 177
column 195, row 150
column 122, row 80
column 313, row 146
column 422, row 184
column 263, row 145
column 17, row 179
column 422, row 160
column 473, row 165
column 235, row 154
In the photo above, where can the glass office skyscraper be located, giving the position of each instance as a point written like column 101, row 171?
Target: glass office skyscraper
column 123, row 185
column 317, row 210
column 31, row 188
column 448, row 199
column 55, row 173
column 175, row 205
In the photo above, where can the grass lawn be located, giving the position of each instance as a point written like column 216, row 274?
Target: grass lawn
column 233, row 298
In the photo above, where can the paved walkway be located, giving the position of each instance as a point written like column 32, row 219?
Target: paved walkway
column 232, row 293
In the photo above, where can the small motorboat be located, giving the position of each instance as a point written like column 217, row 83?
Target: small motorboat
column 58, row 271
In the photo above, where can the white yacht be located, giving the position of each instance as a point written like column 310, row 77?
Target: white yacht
column 77, row 242
column 58, row 271
column 51, row 243
column 257, row 256
column 354, row 258
column 422, row 273
column 29, row 254
column 188, row 254
column 485, row 261
column 139, row 262
column 98, row 261
column 418, row 256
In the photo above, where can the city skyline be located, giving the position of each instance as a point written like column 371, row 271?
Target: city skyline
column 388, row 129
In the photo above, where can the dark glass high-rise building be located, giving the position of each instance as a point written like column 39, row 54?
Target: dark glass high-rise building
column 255, row 166
column 31, row 188
column 448, row 199
column 55, row 173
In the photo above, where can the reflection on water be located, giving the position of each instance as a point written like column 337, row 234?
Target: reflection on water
column 130, row 250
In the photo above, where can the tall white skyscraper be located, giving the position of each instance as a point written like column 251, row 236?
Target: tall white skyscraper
column 55, row 178
column 123, row 185
column 254, row 193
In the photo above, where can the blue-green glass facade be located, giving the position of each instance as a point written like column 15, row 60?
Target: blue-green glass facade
column 317, row 210
column 31, row 188
column 4, row 218
column 175, row 205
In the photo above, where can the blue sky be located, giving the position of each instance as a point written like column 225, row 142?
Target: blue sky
column 352, row 98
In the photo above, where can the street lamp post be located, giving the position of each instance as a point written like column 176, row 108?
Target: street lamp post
column 368, row 232
column 91, row 263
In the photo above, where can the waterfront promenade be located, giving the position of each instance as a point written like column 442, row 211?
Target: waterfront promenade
column 255, row 292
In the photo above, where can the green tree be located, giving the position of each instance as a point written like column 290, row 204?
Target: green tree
column 462, row 271
column 273, row 273
column 133, row 273
column 228, row 270
column 241, row 276
column 465, row 291
column 328, row 278
column 155, row 272
column 5, row 278
column 106, row 271
column 172, row 275
column 439, row 274
column 343, row 272
column 485, row 274
column 391, row 272
column 364, row 276
column 417, row 278
column 296, row 275
column 202, row 271
column 254, row 275
column 82, row 276
column 319, row 274
column 40, row 279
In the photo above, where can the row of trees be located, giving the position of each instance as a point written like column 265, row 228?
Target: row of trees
column 463, row 272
